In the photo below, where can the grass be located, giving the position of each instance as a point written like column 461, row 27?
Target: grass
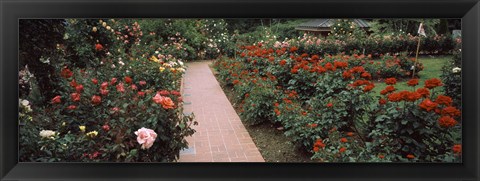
column 432, row 68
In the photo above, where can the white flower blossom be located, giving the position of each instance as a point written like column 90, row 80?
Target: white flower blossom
column 47, row 134
column 456, row 70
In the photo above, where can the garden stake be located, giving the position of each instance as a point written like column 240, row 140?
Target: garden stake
column 416, row 57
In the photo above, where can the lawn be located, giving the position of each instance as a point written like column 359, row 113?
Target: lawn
column 432, row 68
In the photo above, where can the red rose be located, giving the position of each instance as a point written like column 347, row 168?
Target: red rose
column 98, row 47
column 447, row 122
column 342, row 149
column 140, row 93
column 428, row 105
column 294, row 71
column 120, row 87
column 319, row 143
column 128, row 80
column 96, row 100
column 75, row 97
column 382, row 101
column 424, row 92
column 343, row 140
column 106, row 127
column 338, row 64
column 164, row 93
column 412, row 82
column 366, row 75
column 71, row 107
column 142, row 83
column 347, row 75
column 329, row 66
column 56, row 100
column 432, row 83
column 391, row 81
column 451, row 111
column 457, row 148
column 73, row 83
column 79, row 88
column 133, row 87
column 395, row 97
column 330, row 104
column 445, row 100
column 95, row 81
column 104, row 92
column 113, row 81
column 413, row 96
column 410, row 156
column 368, row 87
column 104, row 85
column 66, row 73
column 283, row 62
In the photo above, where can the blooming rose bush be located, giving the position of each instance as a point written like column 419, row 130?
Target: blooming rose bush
column 118, row 87
column 98, row 115
column 327, row 105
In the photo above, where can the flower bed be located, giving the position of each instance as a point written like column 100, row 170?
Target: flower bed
column 121, row 105
column 326, row 105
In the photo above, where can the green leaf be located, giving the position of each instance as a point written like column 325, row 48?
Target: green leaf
column 133, row 152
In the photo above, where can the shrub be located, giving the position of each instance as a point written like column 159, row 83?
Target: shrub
column 452, row 76
column 417, row 125
column 97, row 111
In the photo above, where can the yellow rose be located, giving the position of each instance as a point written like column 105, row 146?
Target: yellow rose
column 94, row 29
column 92, row 134
column 82, row 128
column 161, row 69
column 155, row 59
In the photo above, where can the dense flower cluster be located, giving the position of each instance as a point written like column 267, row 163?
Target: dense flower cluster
column 314, row 97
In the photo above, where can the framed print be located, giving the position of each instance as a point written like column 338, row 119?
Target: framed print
column 240, row 90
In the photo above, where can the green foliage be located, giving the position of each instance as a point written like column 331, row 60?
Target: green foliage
column 452, row 75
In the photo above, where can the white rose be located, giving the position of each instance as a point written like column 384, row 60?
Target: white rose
column 25, row 102
column 456, row 69
column 47, row 133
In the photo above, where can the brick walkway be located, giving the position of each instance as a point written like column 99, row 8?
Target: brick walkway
column 220, row 136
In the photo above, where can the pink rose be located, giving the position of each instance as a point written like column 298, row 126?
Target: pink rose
column 166, row 102
column 157, row 99
column 120, row 87
column 145, row 137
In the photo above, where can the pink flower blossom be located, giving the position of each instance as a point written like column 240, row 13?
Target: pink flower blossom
column 120, row 87
column 145, row 137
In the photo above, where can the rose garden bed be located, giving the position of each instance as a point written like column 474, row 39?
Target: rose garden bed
column 326, row 106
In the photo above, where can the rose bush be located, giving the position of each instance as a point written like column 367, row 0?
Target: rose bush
column 113, row 86
column 327, row 105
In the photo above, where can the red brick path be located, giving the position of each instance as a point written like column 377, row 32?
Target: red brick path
column 220, row 136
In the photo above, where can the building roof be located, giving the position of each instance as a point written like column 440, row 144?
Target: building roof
column 325, row 24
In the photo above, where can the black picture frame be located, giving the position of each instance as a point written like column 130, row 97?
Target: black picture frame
column 11, row 11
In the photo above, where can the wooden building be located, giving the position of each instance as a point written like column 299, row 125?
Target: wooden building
column 324, row 26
